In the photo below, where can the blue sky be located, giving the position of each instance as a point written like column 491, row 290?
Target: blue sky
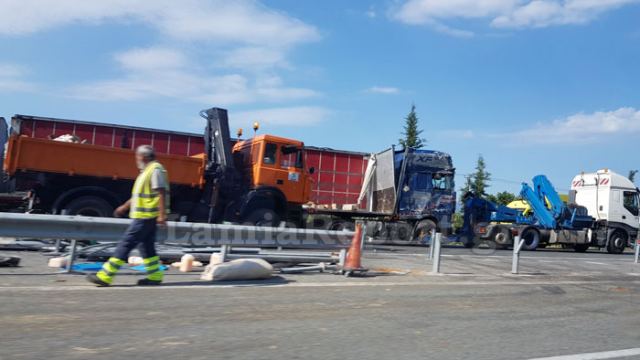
column 545, row 86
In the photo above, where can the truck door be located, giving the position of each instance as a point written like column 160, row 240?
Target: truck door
column 630, row 215
column 282, row 168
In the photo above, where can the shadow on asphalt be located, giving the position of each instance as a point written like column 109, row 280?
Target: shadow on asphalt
column 275, row 280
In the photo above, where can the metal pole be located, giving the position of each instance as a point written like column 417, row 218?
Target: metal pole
column 517, row 246
column 72, row 256
column 224, row 252
column 363, row 234
column 436, row 255
column 431, row 245
column 342, row 257
column 637, row 255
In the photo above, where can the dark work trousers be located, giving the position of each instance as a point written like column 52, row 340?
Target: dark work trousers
column 141, row 233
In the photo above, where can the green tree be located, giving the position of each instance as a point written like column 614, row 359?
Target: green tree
column 480, row 178
column 632, row 175
column 411, row 134
column 502, row 198
column 467, row 185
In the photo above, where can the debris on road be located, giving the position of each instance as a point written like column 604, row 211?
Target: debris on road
column 7, row 261
column 240, row 269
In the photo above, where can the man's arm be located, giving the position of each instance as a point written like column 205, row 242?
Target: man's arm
column 122, row 210
column 162, row 217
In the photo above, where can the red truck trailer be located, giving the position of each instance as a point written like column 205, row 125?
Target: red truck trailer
column 336, row 181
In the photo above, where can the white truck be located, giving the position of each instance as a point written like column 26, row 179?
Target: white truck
column 602, row 211
column 612, row 200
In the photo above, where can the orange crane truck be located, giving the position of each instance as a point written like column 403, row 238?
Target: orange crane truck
column 258, row 181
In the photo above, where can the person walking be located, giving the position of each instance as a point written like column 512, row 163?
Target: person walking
column 148, row 207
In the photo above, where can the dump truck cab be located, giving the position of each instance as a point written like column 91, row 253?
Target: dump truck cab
column 272, row 162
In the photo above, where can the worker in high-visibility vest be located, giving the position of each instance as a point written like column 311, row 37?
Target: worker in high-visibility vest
column 148, row 207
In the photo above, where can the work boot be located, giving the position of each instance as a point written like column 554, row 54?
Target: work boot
column 149, row 282
column 93, row 278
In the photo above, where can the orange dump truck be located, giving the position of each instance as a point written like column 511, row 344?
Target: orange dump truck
column 260, row 181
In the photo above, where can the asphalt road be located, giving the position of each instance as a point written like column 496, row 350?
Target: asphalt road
column 564, row 303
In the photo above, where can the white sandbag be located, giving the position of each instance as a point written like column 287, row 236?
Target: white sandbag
column 215, row 259
column 186, row 262
column 135, row 260
column 58, row 262
column 241, row 269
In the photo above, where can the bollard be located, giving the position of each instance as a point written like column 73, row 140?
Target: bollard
column 72, row 257
column 436, row 253
column 224, row 251
column 637, row 255
column 517, row 246
column 364, row 235
column 433, row 239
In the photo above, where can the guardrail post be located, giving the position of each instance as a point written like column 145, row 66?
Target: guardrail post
column 224, row 251
column 342, row 257
column 431, row 245
column 72, row 256
column 436, row 253
column 637, row 254
column 517, row 246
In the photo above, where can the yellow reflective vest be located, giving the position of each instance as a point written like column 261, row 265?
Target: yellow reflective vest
column 144, row 200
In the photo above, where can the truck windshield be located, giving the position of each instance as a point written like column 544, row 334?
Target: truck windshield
column 427, row 182
column 442, row 182
column 631, row 202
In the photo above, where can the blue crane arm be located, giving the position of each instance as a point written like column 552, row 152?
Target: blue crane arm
column 540, row 211
column 546, row 191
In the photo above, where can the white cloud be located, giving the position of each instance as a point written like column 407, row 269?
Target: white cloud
column 282, row 116
column 581, row 128
column 503, row 13
column 254, row 58
column 12, row 79
column 211, row 20
column 151, row 59
column 216, row 52
column 383, row 90
column 163, row 72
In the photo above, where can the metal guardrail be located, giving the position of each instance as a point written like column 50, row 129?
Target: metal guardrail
column 182, row 233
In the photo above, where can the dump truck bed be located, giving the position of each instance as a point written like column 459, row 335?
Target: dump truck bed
column 74, row 159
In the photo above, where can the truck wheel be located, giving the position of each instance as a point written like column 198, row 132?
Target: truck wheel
column 89, row 206
column 617, row 242
column 581, row 247
column 263, row 217
column 503, row 238
column 340, row 225
column 531, row 239
column 423, row 230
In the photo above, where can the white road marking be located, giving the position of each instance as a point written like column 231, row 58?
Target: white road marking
column 302, row 285
column 616, row 354
column 596, row 263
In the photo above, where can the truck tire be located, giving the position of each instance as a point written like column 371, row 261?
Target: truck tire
column 503, row 238
column 617, row 242
column 581, row 247
column 339, row 225
column 89, row 206
column 263, row 217
column 423, row 230
column 531, row 238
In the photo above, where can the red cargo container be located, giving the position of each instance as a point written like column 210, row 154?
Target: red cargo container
column 119, row 136
column 337, row 179
column 338, row 175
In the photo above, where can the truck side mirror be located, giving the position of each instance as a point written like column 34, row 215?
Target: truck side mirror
column 312, row 170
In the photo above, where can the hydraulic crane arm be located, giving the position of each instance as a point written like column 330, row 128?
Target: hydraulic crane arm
column 217, row 139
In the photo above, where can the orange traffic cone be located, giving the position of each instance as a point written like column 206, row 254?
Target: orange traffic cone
column 352, row 264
